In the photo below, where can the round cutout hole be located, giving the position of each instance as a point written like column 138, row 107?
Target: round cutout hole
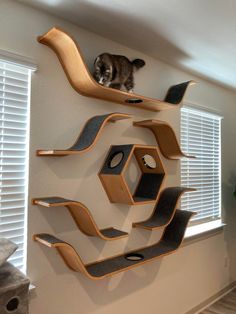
column 12, row 305
column 134, row 257
column 115, row 159
column 134, row 100
column 149, row 161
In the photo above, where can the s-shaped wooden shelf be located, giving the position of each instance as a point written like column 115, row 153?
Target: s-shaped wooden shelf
column 71, row 59
column 165, row 137
column 164, row 210
column 88, row 137
column 82, row 218
column 169, row 243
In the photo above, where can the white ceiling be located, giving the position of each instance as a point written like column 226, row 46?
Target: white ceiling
column 195, row 35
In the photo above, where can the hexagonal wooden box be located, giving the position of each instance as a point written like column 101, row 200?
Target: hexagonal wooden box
column 112, row 174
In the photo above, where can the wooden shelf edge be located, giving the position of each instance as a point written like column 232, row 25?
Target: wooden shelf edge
column 97, row 121
column 163, row 211
column 165, row 137
column 82, row 217
column 76, row 70
column 114, row 181
column 170, row 241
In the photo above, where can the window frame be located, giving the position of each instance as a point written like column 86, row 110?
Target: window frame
column 8, row 58
column 209, row 223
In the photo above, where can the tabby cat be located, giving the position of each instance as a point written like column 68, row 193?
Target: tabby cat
column 116, row 71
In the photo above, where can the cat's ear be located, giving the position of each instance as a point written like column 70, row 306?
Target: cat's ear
column 138, row 63
column 97, row 60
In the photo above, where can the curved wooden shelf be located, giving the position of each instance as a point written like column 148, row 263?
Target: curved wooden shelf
column 165, row 137
column 169, row 243
column 88, row 137
column 71, row 59
column 164, row 210
column 82, row 218
column 114, row 181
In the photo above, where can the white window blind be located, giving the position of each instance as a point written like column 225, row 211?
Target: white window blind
column 201, row 137
column 14, row 116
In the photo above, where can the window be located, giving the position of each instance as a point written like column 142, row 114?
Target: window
column 201, row 137
column 14, row 126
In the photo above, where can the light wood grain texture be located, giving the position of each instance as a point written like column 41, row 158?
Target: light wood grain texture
column 82, row 217
column 77, row 72
column 88, row 136
column 171, row 240
column 165, row 137
column 149, row 183
column 226, row 305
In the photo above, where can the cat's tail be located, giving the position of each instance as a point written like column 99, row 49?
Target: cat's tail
column 138, row 63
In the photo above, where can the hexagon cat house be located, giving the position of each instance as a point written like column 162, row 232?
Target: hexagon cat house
column 112, row 174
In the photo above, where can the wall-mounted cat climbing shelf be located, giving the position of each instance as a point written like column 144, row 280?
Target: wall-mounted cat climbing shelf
column 82, row 218
column 88, row 137
column 81, row 80
column 165, row 137
column 164, row 210
column 112, row 174
column 171, row 240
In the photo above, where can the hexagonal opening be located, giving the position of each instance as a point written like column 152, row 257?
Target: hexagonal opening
column 113, row 174
column 152, row 174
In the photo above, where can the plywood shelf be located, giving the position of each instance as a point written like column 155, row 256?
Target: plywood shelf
column 114, row 181
column 171, row 240
column 77, row 72
column 165, row 137
column 164, row 210
column 82, row 217
column 88, row 137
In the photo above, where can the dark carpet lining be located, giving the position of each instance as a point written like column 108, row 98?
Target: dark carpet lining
column 164, row 208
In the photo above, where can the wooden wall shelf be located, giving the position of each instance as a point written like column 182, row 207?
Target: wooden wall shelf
column 77, row 72
column 165, row 137
column 164, row 210
column 82, row 218
column 169, row 243
column 88, row 137
column 113, row 177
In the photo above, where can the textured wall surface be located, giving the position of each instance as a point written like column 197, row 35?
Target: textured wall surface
column 58, row 114
column 7, row 248
column 14, row 287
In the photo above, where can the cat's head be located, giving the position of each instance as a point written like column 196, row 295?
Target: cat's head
column 99, row 71
column 103, row 69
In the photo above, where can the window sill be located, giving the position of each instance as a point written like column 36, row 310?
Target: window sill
column 203, row 231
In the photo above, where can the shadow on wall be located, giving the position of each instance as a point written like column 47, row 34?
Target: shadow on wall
column 229, row 217
column 107, row 290
column 144, row 37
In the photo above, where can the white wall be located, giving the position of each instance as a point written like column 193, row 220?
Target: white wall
column 173, row 284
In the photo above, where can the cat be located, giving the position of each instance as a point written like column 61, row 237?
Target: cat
column 116, row 71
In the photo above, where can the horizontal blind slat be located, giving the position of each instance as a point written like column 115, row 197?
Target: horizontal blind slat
column 14, row 95
column 200, row 136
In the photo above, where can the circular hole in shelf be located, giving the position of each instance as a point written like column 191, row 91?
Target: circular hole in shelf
column 149, row 161
column 115, row 159
column 134, row 257
column 12, row 304
column 134, row 100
